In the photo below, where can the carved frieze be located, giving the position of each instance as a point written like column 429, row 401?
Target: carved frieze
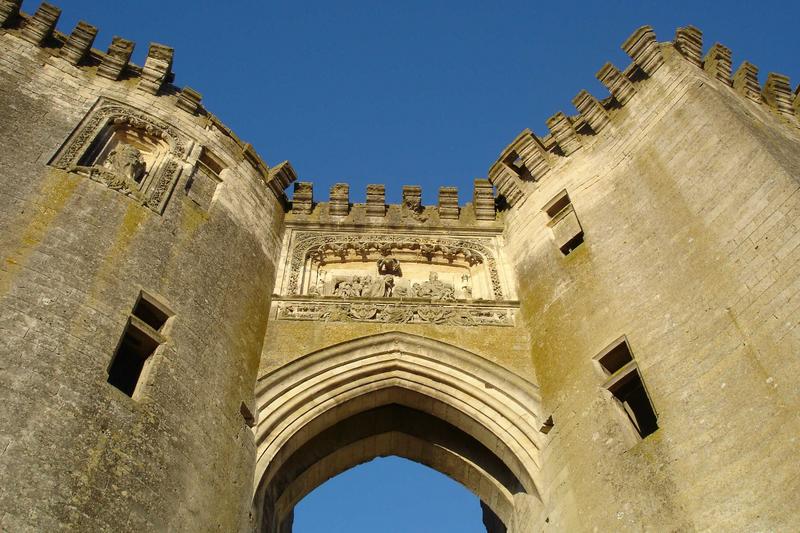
column 127, row 150
column 320, row 248
column 407, row 312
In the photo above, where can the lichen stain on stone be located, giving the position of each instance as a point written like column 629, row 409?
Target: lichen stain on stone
column 56, row 190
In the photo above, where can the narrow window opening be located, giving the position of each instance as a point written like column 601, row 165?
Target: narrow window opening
column 564, row 223
column 211, row 162
column 615, row 358
column 150, row 313
column 627, row 387
column 139, row 341
column 557, row 204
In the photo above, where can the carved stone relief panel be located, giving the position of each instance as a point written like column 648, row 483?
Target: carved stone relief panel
column 356, row 264
column 394, row 278
column 127, row 150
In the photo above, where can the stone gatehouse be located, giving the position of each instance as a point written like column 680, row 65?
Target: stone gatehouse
column 605, row 338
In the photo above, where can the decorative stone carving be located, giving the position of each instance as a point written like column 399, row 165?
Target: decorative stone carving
column 396, row 313
column 126, row 161
column 317, row 247
column 433, row 289
column 101, row 149
column 364, row 287
column 389, row 266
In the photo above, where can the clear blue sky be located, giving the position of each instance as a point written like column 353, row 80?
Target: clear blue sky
column 389, row 495
column 413, row 92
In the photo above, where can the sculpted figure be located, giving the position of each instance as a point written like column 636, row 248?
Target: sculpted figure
column 434, row 289
column 126, row 161
column 388, row 265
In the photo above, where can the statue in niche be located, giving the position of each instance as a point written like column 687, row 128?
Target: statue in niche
column 466, row 288
column 433, row 289
column 126, row 161
column 389, row 266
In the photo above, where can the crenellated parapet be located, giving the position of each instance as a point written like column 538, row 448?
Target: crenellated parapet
column 528, row 158
column 340, row 210
column 74, row 54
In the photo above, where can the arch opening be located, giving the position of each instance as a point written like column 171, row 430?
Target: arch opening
column 396, row 394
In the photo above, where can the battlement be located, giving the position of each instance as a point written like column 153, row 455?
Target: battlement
column 339, row 209
column 154, row 78
column 529, row 158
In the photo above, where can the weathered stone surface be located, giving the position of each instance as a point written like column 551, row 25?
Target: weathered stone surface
column 299, row 344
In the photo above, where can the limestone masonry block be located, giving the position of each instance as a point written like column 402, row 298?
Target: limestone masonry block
column 303, row 198
column 281, row 176
column 376, row 200
column 483, row 200
column 505, row 179
column 9, row 10
column 796, row 102
column 157, row 68
column 617, row 84
column 412, row 197
column 189, row 100
column 116, row 59
column 745, row 81
column 718, row 63
column 533, row 155
column 564, row 133
column 591, row 110
column 644, row 49
column 448, row 202
column 339, row 199
column 41, row 25
column 689, row 42
column 778, row 94
column 79, row 42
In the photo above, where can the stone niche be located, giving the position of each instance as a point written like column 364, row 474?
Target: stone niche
column 127, row 150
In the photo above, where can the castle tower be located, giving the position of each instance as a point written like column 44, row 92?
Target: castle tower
column 139, row 242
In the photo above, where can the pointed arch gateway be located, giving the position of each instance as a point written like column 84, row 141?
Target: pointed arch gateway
column 397, row 394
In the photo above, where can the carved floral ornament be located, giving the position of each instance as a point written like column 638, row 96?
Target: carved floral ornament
column 127, row 150
column 396, row 313
column 319, row 248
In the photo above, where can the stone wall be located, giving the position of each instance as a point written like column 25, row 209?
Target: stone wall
column 688, row 203
column 75, row 252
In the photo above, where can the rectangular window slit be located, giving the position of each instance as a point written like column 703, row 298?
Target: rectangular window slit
column 140, row 339
column 627, row 387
